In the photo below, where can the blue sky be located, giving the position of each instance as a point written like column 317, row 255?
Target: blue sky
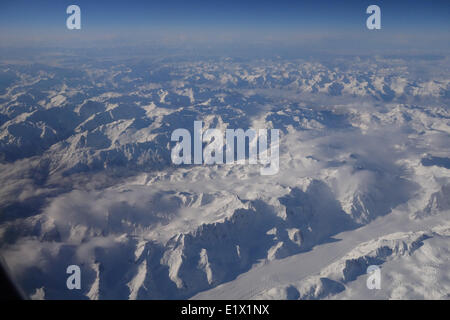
column 246, row 19
column 230, row 13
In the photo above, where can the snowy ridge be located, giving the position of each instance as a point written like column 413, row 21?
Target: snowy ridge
column 87, row 178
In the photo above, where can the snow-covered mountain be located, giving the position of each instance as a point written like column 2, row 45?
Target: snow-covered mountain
column 87, row 179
